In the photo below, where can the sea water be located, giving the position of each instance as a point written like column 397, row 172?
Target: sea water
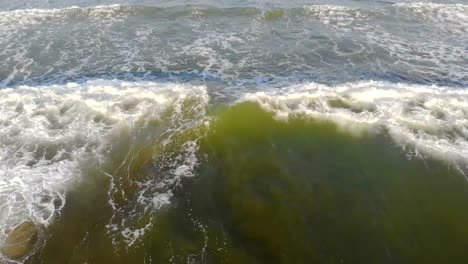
column 235, row 131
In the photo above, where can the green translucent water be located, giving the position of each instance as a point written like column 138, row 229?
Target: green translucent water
column 270, row 191
column 123, row 138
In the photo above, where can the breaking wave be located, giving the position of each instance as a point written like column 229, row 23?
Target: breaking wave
column 50, row 134
column 424, row 120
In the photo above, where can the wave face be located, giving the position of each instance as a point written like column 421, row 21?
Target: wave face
column 431, row 119
column 204, row 43
column 126, row 152
column 238, row 132
column 270, row 184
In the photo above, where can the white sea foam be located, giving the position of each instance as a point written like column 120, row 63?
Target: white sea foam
column 341, row 17
column 37, row 15
column 451, row 18
column 423, row 42
column 173, row 158
column 48, row 134
column 425, row 120
column 444, row 12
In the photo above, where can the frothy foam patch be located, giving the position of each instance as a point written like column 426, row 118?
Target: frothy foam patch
column 36, row 16
column 455, row 15
column 155, row 163
column 21, row 31
column 48, row 134
column 340, row 17
column 425, row 120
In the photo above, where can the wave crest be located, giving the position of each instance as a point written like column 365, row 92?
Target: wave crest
column 425, row 120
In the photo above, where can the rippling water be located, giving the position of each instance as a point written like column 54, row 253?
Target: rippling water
column 234, row 131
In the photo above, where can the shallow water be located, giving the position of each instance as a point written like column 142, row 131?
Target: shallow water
column 235, row 131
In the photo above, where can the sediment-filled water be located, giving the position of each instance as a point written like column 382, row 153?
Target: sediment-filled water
column 233, row 131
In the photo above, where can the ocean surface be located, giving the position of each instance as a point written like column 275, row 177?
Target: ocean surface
column 234, row 131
